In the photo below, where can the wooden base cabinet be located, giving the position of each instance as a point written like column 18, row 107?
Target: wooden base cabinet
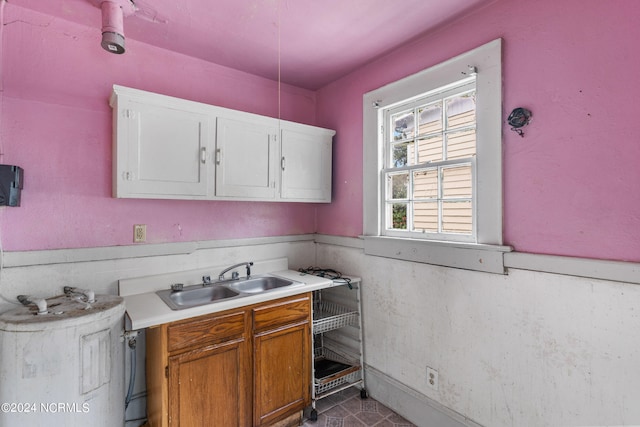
column 243, row 367
column 207, row 387
column 281, row 348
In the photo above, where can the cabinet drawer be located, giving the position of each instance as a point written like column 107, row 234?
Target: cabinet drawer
column 205, row 330
column 282, row 312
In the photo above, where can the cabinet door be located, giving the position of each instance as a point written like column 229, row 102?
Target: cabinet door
column 210, row 386
column 282, row 373
column 282, row 359
column 245, row 159
column 305, row 166
column 161, row 151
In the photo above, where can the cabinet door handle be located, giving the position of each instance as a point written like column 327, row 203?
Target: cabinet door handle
column 282, row 163
column 203, row 154
column 218, row 156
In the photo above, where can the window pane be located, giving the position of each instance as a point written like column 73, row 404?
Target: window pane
column 399, row 155
column 456, row 182
column 461, row 144
column 457, row 217
column 461, row 110
column 425, row 184
column 402, row 126
column 425, row 216
column 398, row 184
column 430, row 149
column 430, row 119
column 398, row 216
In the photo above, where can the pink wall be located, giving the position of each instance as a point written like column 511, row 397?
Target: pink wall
column 572, row 184
column 56, row 124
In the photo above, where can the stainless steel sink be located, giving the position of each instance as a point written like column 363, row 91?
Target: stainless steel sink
column 259, row 284
column 196, row 295
column 193, row 296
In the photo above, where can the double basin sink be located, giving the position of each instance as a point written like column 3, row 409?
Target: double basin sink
column 196, row 295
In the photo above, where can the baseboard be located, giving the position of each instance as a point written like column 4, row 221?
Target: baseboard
column 411, row 404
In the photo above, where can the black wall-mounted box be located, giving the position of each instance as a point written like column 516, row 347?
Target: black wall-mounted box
column 11, row 178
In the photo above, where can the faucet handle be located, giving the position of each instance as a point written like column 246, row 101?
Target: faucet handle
column 235, row 275
column 249, row 264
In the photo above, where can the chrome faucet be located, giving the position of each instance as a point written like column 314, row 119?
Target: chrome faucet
column 235, row 274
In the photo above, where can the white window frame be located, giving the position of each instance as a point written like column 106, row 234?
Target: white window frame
column 486, row 254
column 463, row 85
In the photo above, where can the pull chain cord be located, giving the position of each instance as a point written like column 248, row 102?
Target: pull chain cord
column 279, row 70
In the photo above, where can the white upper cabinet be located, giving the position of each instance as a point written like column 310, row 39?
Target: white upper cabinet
column 246, row 158
column 306, row 164
column 161, row 150
column 170, row 148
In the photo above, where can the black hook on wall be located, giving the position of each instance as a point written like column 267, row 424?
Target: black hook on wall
column 518, row 118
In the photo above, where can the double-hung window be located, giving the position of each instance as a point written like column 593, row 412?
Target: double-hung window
column 429, row 166
column 432, row 180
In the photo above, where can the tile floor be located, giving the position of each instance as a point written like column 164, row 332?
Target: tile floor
column 347, row 409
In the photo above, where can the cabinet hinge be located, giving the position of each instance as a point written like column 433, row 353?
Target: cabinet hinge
column 129, row 114
column 166, row 371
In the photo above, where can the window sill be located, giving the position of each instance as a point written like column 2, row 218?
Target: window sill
column 467, row 256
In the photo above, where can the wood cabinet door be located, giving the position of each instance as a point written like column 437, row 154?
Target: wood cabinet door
column 282, row 372
column 211, row 386
column 162, row 152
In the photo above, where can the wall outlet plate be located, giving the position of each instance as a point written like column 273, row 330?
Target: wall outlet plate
column 139, row 233
column 432, row 378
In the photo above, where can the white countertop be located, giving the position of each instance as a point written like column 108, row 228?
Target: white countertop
column 146, row 309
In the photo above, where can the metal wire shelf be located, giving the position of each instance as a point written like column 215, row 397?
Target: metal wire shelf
column 338, row 351
column 328, row 316
column 343, row 370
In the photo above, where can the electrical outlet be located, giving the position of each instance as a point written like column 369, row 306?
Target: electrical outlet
column 139, row 233
column 432, row 378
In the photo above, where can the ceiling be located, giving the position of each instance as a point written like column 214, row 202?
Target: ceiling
column 308, row 43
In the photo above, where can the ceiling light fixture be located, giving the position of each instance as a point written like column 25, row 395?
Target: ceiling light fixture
column 113, row 13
